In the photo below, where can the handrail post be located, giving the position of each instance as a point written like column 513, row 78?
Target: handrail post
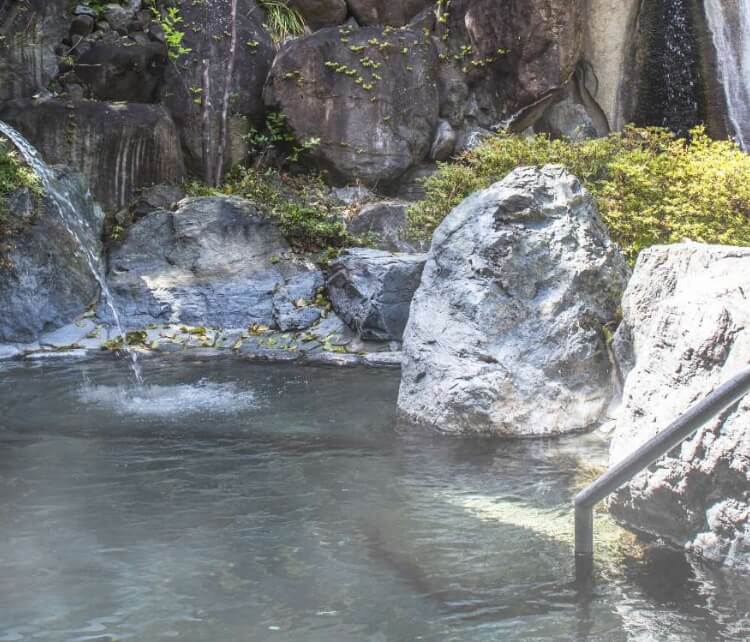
column 622, row 472
column 584, row 525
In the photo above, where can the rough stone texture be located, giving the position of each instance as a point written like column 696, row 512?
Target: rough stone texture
column 567, row 119
column 519, row 53
column 384, row 224
column 45, row 281
column 118, row 148
column 214, row 92
column 293, row 307
column 395, row 13
column 686, row 330
column 505, row 333
column 371, row 291
column 321, row 13
column 213, row 262
column 123, row 71
column 29, row 33
column 444, row 143
column 610, row 46
column 370, row 129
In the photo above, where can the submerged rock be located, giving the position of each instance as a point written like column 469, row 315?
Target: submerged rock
column 213, row 262
column 686, row 330
column 506, row 332
column 372, row 291
column 45, row 280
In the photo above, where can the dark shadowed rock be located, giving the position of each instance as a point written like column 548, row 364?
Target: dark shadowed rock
column 506, row 332
column 214, row 91
column 384, row 224
column 371, row 291
column 118, row 148
column 686, row 330
column 213, row 262
column 30, row 32
column 372, row 102
column 395, row 13
column 321, row 13
column 508, row 55
column 45, row 281
column 123, row 71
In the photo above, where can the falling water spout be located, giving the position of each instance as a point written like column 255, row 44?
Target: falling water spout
column 74, row 225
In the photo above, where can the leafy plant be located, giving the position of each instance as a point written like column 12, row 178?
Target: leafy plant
column 169, row 20
column 306, row 215
column 14, row 175
column 276, row 137
column 651, row 187
column 282, row 21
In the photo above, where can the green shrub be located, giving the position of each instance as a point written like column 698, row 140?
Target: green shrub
column 306, row 215
column 14, row 175
column 651, row 187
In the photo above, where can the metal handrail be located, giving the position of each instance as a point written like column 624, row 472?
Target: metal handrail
column 622, row 472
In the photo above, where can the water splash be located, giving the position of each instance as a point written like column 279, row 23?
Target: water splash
column 172, row 401
column 74, row 224
column 729, row 23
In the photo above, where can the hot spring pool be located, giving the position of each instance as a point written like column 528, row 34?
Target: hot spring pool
column 229, row 502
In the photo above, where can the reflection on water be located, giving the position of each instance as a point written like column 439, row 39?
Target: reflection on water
column 231, row 502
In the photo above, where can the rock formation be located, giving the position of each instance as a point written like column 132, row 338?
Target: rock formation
column 506, row 332
column 45, row 280
column 684, row 332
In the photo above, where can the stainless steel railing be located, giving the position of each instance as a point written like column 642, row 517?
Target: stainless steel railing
column 622, row 472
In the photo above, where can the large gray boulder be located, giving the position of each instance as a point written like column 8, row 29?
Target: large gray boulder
column 506, row 330
column 45, row 278
column 686, row 330
column 216, row 262
column 372, row 290
column 370, row 103
column 119, row 148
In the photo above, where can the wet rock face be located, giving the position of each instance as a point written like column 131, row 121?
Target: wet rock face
column 395, row 13
column 685, row 331
column 45, row 281
column 505, row 332
column 214, row 91
column 372, row 290
column 213, row 262
column 118, row 148
column 30, row 32
column 509, row 54
column 369, row 96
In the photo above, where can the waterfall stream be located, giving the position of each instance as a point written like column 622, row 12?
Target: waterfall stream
column 74, row 224
column 729, row 22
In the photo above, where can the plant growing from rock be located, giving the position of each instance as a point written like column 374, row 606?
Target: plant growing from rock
column 282, row 21
column 14, row 175
column 651, row 187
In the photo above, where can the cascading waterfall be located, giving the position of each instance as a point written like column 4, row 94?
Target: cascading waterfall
column 670, row 92
column 73, row 224
column 729, row 23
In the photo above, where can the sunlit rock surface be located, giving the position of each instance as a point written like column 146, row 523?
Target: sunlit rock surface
column 506, row 329
column 686, row 330
column 212, row 262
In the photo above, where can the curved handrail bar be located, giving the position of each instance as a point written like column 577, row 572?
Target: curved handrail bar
column 622, row 472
